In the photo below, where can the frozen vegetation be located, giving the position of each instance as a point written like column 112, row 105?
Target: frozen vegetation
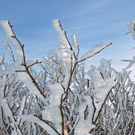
column 64, row 99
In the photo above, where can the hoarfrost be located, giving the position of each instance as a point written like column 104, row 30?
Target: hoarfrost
column 52, row 111
column 11, row 36
column 131, row 62
column 30, row 62
column 25, row 78
column 1, row 59
column 34, row 119
column 131, row 27
column 84, row 125
column 65, row 108
column 101, row 89
column 96, row 49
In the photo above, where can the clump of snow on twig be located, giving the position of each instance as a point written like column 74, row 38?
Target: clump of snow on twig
column 131, row 28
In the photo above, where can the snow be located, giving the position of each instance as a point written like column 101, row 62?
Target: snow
column 22, row 105
column 64, row 51
column 84, row 126
column 74, row 41
column 7, row 29
column 7, row 111
column 34, row 128
column 131, row 62
column 10, row 35
column 90, row 108
column 34, row 119
column 9, row 49
column 12, row 68
column 64, row 55
column 52, row 112
column 2, row 86
column 30, row 62
column 25, row 78
column 1, row 59
column 131, row 27
column 17, row 65
column 14, row 132
column 57, row 91
column 96, row 49
column 75, row 44
column 62, row 34
column 102, row 88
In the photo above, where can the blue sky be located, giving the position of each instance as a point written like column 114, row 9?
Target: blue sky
column 93, row 22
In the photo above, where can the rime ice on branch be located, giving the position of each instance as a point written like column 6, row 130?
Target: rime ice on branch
column 20, row 66
column 131, row 28
column 58, row 100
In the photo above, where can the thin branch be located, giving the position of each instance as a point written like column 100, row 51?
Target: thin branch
column 66, row 38
column 22, row 46
column 21, row 71
column 93, row 53
column 44, row 68
column 37, row 62
column 62, row 115
column 24, row 62
column 48, row 124
column 94, row 122
column 69, row 82
column 36, row 84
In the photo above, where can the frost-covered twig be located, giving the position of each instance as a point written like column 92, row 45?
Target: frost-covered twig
column 131, row 62
column 75, row 44
column 40, row 122
column 21, row 63
column 94, row 51
column 131, row 28
column 62, row 35
column 68, row 97
column 10, row 51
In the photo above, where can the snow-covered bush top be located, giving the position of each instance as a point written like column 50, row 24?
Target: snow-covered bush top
column 61, row 99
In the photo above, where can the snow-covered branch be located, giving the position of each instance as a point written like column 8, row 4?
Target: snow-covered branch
column 131, row 28
column 63, row 98
column 96, row 49
column 21, row 64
